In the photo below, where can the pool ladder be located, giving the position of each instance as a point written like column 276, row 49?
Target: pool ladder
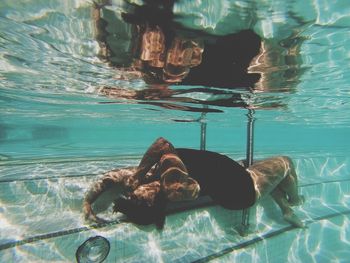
column 244, row 229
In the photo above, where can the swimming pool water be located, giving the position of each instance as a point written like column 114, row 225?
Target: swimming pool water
column 57, row 134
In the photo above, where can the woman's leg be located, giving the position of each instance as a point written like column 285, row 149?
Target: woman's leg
column 288, row 214
column 277, row 176
column 289, row 185
column 267, row 174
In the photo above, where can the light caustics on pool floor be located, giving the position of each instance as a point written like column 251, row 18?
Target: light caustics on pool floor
column 41, row 214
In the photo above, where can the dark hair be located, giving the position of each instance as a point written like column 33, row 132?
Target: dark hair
column 140, row 212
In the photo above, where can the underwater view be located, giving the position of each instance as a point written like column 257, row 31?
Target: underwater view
column 87, row 86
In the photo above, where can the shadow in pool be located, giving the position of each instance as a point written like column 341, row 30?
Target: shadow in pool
column 3, row 131
column 42, row 132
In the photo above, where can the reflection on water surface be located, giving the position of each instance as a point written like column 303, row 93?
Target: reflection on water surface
column 149, row 41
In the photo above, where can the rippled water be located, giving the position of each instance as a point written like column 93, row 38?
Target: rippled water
column 50, row 73
column 51, row 112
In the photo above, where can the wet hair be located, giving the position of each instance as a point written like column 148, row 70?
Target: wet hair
column 178, row 186
column 139, row 211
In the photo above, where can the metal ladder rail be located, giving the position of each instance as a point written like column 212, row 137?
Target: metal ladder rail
column 203, row 135
column 249, row 162
column 249, row 157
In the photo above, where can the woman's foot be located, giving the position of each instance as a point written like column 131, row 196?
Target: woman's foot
column 293, row 219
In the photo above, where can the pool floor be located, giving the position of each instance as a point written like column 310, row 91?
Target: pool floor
column 41, row 221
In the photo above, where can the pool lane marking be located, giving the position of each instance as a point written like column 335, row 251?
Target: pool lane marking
column 325, row 182
column 48, row 178
column 57, row 234
column 20, row 162
column 266, row 236
column 205, row 259
column 100, row 174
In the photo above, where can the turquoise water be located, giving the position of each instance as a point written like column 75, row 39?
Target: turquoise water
column 56, row 136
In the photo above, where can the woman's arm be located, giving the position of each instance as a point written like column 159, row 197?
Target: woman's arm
column 152, row 156
column 121, row 179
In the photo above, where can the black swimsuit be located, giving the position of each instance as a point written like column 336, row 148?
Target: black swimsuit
column 224, row 180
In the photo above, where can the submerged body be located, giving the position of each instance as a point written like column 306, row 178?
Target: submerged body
column 220, row 177
column 166, row 174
